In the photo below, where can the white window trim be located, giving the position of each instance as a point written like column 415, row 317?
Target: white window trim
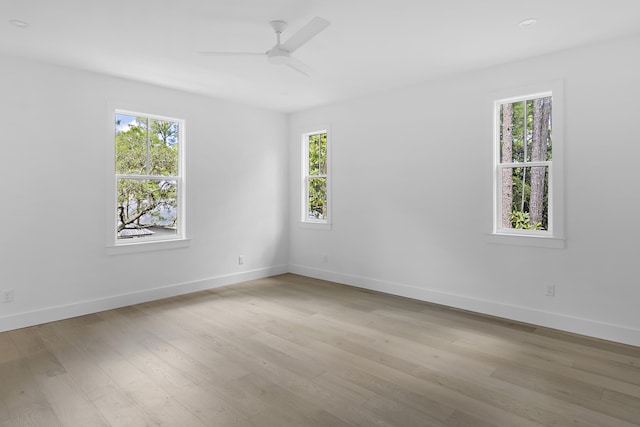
column 117, row 246
column 305, row 222
column 554, row 237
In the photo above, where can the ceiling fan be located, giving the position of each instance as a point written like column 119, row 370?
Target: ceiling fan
column 281, row 53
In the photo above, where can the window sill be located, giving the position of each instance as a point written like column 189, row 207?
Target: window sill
column 148, row 246
column 314, row 225
column 522, row 240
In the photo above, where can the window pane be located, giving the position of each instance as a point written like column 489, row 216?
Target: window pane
column 163, row 151
column 512, row 132
column 525, row 131
column 131, row 145
column 317, row 203
column 146, row 208
column 314, row 154
column 547, row 126
column 322, row 153
column 525, row 203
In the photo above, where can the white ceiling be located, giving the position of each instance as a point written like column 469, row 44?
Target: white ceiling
column 371, row 45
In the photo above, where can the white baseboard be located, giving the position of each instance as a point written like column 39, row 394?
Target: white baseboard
column 588, row 327
column 592, row 328
column 52, row 314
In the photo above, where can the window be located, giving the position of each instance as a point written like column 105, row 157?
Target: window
column 528, row 177
column 149, row 183
column 315, row 198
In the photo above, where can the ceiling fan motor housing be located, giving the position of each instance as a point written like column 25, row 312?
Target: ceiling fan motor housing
column 278, row 55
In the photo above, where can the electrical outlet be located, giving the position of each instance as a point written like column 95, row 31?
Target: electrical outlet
column 550, row 290
column 7, row 295
column 240, row 259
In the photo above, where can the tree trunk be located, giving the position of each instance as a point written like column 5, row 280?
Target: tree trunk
column 541, row 111
column 507, row 157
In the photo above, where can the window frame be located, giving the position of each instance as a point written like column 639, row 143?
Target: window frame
column 553, row 237
column 118, row 246
column 319, row 223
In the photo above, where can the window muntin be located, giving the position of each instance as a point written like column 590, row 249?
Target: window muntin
column 524, row 165
column 148, row 178
column 315, row 197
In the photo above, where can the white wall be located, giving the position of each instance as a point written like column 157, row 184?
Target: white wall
column 53, row 167
column 408, row 223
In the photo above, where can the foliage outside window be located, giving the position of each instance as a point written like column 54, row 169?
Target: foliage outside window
column 148, row 177
column 524, row 165
column 315, row 177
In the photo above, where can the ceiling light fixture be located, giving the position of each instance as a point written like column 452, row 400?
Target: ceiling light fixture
column 528, row 23
column 18, row 23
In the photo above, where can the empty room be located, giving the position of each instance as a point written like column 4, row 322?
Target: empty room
column 320, row 213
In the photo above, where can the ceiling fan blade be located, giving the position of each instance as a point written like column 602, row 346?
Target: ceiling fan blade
column 299, row 66
column 305, row 34
column 232, row 53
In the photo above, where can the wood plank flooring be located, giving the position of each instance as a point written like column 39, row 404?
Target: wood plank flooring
column 294, row 351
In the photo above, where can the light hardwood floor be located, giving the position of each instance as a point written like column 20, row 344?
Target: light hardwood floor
column 293, row 351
